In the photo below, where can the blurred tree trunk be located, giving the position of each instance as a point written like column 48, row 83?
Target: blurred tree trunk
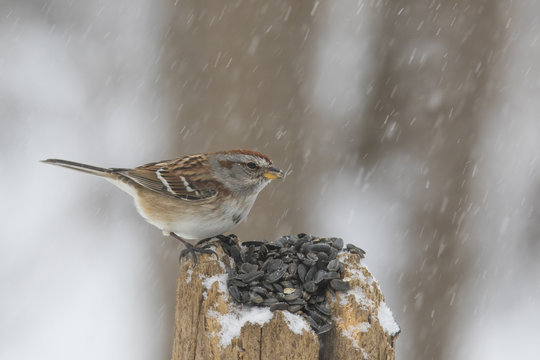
column 423, row 121
column 231, row 78
column 232, row 75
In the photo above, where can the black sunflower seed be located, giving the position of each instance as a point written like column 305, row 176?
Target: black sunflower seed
column 235, row 293
column 256, row 298
column 313, row 324
column 337, row 243
column 290, row 297
column 259, row 290
column 267, row 285
column 301, row 241
column 292, row 268
column 319, row 276
column 270, row 301
column 279, row 306
column 248, row 268
column 252, row 276
column 249, row 254
column 301, row 271
column 265, row 264
column 299, row 301
column 278, row 287
column 323, row 257
column 320, row 247
column 295, row 308
column 274, row 265
column 244, row 297
column 356, row 250
column 288, row 258
column 333, row 265
column 309, row 262
column 331, row 275
column 276, row 275
column 286, row 284
column 312, row 256
column 325, row 328
column 310, row 274
column 285, row 250
column 323, row 308
column 236, row 282
column 310, row 286
column 235, row 254
column 339, row 285
column 255, row 243
column 281, row 241
column 317, row 316
column 272, row 248
column 333, row 254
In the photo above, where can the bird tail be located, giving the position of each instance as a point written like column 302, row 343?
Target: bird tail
column 89, row 169
column 112, row 175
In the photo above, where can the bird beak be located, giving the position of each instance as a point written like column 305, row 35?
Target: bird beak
column 273, row 173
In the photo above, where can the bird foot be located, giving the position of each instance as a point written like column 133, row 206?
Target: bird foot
column 194, row 249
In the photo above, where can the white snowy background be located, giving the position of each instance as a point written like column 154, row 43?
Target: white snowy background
column 121, row 83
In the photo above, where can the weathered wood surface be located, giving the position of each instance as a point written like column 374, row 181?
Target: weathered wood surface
column 208, row 325
column 363, row 326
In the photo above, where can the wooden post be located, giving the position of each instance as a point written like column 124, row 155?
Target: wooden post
column 209, row 325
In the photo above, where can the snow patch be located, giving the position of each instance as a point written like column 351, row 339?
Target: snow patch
column 364, row 326
column 359, row 274
column 221, row 280
column 365, row 354
column 296, row 323
column 351, row 333
column 231, row 323
column 188, row 279
column 359, row 296
column 386, row 319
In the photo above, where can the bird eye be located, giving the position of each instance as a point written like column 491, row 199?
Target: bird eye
column 252, row 165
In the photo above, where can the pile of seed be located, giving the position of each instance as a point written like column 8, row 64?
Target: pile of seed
column 292, row 273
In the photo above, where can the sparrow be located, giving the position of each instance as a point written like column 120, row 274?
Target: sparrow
column 194, row 197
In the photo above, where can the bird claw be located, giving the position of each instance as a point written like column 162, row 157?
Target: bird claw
column 203, row 246
column 193, row 250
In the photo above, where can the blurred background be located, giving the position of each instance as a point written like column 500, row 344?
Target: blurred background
column 409, row 128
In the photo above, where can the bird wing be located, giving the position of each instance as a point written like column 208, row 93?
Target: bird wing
column 184, row 178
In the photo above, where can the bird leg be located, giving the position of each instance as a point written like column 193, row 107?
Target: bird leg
column 193, row 249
